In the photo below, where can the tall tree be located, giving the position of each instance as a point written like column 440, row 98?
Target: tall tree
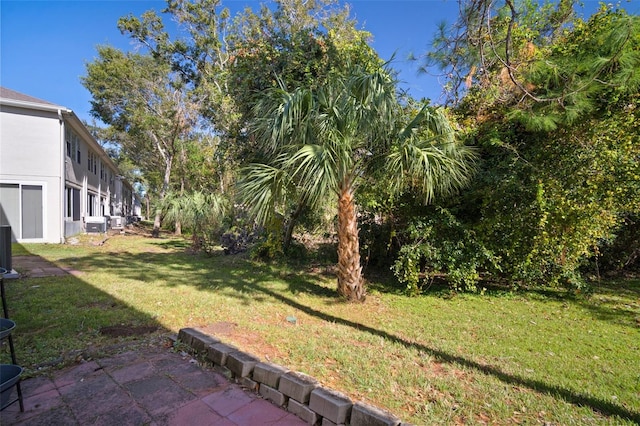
column 295, row 44
column 492, row 43
column 229, row 63
column 543, row 94
column 326, row 140
column 197, row 51
column 141, row 98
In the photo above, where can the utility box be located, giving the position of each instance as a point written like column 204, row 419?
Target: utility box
column 5, row 247
column 95, row 224
column 116, row 222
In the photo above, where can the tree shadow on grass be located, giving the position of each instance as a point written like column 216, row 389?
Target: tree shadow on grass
column 173, row 243
column 605, row 407
column 607, row 305
column 142, row 267
column 251, row 283
column 607, row 301
column 63, row 318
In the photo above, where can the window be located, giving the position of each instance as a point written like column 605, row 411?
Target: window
column 67, row 137
column 76, row 204
column 91, row 205
column 10, row 206
column 104, row 173
column 22, row 209
column 32, row 211
column 68, row 202
column 73, row 145
column 92, row 162
column 72, row 204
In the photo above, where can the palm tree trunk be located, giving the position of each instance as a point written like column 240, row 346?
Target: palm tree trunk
column 350, row 280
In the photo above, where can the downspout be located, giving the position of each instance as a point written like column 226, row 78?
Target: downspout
column 62, row 176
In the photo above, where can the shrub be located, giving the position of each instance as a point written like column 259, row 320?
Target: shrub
column 242, row 232
column 439, row 244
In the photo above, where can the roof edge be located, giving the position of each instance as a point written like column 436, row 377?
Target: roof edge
column 33, row 105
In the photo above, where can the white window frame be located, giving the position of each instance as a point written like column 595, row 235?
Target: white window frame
column 92, row 206
column 72, row 147
column 45, row 209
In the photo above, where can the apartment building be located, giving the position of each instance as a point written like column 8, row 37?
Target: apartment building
column 55, row 179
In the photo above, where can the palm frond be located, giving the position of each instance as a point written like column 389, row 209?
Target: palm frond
column 434, row 121
column 430, row 168
column 194, row 209
column 261, row 187
column 428, row 158
column 315, row 167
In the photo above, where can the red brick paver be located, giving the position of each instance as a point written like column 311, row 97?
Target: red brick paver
column 153, row 386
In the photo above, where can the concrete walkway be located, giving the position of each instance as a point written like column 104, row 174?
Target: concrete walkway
column 149, row 386
column 37, row 267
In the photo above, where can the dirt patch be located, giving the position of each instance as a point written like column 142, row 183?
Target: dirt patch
column 86, row 240
column 245, row 339
column 220, row 328
column 127, row 330
column 143, row 230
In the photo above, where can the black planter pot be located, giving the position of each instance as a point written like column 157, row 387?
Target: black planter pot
column 9, row 374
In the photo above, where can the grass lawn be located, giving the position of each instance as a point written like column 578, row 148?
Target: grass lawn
column 542, row 357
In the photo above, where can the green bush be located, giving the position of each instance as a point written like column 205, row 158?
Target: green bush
column 440, row 245
column 269, row 247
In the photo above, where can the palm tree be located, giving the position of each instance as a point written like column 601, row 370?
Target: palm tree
column 329, row 139
column 201, row 212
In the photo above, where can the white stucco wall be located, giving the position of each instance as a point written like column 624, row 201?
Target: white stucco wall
column 31, row 154
column 35, row 170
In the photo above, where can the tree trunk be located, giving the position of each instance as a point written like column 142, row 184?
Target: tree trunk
column 157, row 222
column 183, row 157
column 178, row 223
column 350, row 280
column 163, row 192
column 288, row 230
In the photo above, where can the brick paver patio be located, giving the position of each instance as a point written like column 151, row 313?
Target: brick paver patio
column 149, row 386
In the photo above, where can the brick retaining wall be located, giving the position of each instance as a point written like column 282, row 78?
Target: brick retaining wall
column 300, row 394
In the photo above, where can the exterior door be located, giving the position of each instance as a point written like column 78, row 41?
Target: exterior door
column 32, row 214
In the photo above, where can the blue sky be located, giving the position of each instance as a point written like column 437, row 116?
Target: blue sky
column 44, row 45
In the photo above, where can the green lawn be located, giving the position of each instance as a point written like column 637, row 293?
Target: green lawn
column 501, row 358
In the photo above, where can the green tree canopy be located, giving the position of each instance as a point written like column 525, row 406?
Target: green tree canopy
column 325, row 140
column 147, row 105
column 228, row 62
column 552, row 101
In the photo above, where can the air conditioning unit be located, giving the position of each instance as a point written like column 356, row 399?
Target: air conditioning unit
column 117, row 222
column 95, row 224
